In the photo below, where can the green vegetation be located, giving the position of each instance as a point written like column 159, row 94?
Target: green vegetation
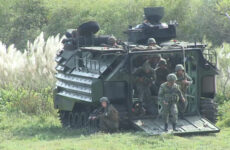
column 24, row 132
column 22, row 100
column 22, row 20
column 224, row 114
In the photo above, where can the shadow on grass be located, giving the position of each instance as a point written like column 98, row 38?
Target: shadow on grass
column 197, row 134
column 58, row 132
column 44, row 127
column 50, row 133
column 46, row 131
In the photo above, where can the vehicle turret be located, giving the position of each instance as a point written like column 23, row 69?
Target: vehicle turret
column 152, row 28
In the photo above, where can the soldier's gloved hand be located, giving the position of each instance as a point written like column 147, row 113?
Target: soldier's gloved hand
column 106, row 114
column 93, row 118
column 185, row 82
column 183, row 100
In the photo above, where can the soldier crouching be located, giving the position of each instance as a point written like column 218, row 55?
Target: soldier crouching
column 144, row 77
column 108, row 116
column 169, row 95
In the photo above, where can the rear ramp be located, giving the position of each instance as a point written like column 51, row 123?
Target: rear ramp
column 188, row 125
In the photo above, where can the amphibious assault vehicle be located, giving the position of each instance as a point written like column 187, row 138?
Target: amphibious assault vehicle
column 88, row 69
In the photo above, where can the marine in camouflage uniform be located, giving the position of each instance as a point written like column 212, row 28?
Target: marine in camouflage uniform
column 152, row 44
column 184, row 81
column 140, row 60
column 169, row 95
column 161, row 73
column 154, row 60
column 108, row 116
column 144, row 76
column 112, row 42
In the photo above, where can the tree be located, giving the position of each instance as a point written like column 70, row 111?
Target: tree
column 27, row 21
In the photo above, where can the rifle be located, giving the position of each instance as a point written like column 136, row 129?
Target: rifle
column 92, row 124
column 96, row 113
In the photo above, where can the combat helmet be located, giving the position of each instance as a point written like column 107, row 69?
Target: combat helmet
column 151, row 41
column 179, row 67
column 156, row 56
column 162, row 62
column 104, row 99
column 171, row 77
column 112, row 40
column 147, row 66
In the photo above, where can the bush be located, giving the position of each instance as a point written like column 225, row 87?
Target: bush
column 27, row 78
column 22, row 100
column 32, row 69
column 220, row 99
column 224, row 114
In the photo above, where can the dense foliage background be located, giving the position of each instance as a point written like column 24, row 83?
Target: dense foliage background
column 23, row 20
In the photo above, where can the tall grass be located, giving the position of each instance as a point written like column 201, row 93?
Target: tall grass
column 33, row 68
column 27, row 77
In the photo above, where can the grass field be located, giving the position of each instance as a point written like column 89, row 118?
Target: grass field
column 23, row 132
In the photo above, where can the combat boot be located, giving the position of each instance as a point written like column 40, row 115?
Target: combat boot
column 166, row 127
column 174, row 127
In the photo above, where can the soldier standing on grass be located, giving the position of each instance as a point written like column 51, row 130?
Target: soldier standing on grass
column 184, row 81
column 108, row 116
column 169, row 95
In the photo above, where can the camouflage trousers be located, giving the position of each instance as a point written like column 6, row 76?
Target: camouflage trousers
column 182, row 106
column 107, row 125
column 170, row 109
column 144, row 95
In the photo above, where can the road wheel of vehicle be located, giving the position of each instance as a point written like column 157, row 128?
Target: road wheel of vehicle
column 208, row 109
column 70, row 119
column 84, row 119
column 93, row 125
column 63, row 116
column 76, row 120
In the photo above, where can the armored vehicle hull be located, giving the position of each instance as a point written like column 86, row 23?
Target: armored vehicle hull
column 87, row 71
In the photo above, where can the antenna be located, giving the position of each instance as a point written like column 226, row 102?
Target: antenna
column 129, row 22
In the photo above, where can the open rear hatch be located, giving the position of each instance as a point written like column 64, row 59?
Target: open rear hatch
column 191, row 124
